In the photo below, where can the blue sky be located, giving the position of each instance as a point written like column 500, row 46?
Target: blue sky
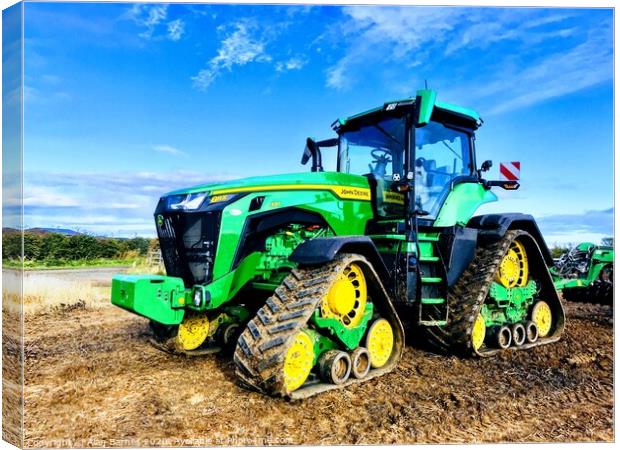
column 124, row 102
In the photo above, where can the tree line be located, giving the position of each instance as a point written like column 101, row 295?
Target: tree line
column 57, row 248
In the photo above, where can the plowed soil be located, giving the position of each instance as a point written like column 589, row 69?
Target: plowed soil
column 93, row 379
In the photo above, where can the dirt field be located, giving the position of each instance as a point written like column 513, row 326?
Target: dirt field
column 92, row 379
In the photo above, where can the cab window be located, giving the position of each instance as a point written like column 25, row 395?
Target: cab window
column 442, row 154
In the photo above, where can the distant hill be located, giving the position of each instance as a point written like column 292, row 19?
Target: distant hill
column 65, row 231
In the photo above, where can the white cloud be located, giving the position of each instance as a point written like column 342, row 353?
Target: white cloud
column 238, row 49
column 169, row 150
column 47, row 196
column 502, row 59
column 153, row 19
column 35, row 95
column 147, row 16
column 562, row 73
column 294, row 63
column 119, row 203
column 388, row 34
column 176, row 28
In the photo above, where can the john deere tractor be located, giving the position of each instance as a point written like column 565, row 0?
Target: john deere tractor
column 586, row 274
column 311, row 279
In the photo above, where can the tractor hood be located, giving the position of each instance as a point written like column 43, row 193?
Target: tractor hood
column 294, row 181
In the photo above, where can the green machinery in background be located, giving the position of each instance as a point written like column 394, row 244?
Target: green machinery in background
column 312, row 279
column 585, row 274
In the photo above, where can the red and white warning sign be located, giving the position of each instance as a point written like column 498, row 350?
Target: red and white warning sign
column 510, row 171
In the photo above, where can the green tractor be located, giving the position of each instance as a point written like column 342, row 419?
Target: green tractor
column 586, row 274
column 311, row 279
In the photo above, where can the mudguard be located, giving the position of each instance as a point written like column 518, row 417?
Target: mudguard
column 322, row 250
column 493, row 227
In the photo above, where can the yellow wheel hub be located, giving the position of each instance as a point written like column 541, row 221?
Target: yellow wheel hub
column 513, row 270
column 542, row 317
column 346, row 299
column 380, row 342
column 192, row 332
column 478, row 333
column 298, row 362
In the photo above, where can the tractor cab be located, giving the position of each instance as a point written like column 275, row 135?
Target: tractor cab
column 413, row 151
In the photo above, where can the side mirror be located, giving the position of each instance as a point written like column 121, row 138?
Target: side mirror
column 308, row 151
column 312, row 151
column 486, row 165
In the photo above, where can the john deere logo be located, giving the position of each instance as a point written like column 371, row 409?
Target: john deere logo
column 160, row 220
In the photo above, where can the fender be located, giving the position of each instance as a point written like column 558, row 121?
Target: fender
column 492, row 227
column 457, row 246
column 322, row 250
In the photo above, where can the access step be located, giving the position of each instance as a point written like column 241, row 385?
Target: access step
column 427, row 238
column 431, row 280
column 433, row 323
column 433, row 301
column 429, row 259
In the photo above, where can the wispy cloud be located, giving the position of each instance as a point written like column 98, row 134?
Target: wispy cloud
column 294, row 63
column 176, row 28
column 111, row 203
column 238, row 48
column 575, row 228
column 506, row 43
column 44, row 96
column 558, row 74
column 169, row 150
column 154, row 17
column 380, row 34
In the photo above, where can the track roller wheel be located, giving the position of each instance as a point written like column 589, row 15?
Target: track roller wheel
column 518, row 334
column 478, row 332
column 227, row 335
column 360, row 362
column 502, row 337
column 531, row 332
column 542, row 317
column 193, row 331
column 514, row 268
column 298, row 362
column 380, row 342
column 335, row 366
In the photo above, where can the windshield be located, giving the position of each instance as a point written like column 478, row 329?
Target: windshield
column 374, row 149
column 442, row 154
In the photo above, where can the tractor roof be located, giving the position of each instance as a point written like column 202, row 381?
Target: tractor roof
column 428, row 101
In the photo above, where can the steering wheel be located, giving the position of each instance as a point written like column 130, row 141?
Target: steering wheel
column 381, row 155
column 381, row 159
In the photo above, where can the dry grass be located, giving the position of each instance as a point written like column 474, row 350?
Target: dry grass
column 43, row 292
column 145, row 268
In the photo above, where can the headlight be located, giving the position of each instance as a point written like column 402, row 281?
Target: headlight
column 186, row 201
column 197, row 297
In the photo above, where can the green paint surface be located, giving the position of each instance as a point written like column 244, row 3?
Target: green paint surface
column 461, row 204
column 151, row 296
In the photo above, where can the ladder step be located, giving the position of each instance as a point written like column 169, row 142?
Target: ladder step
column 429, row 258
column 433, row 323
column 431, row 280
column 428, row 238
column 433, row 301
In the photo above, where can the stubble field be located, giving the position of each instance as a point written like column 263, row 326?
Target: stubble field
column 93, row 379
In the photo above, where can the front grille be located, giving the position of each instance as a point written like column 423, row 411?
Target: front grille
column 188, row 241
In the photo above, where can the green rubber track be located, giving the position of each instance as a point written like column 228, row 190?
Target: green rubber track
column 468, row 294
column 262, row 346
